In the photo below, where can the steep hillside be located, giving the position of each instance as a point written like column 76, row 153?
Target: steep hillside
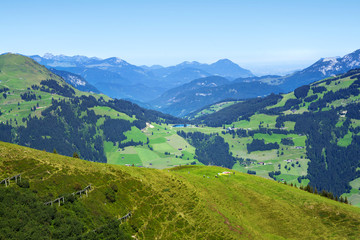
column 75, row 80
column 21, row 72
column 180, row 203
column 325, row 67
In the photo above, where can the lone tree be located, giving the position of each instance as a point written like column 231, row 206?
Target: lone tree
column 75, row 155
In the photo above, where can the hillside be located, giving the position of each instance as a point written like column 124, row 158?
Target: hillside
column 300, row 137
column 21, row 72
column 323, row 68
column 185, row 99
column 309, row 136
column 75, row 80
column 39, row 109
column 180, row 203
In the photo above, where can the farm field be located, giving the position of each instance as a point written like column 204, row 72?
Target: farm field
column 165, row 149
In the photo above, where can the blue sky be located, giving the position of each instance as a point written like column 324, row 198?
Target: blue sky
column 256, row 34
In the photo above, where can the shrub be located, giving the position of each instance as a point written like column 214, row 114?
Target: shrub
column 110, row 195
column 23, row 183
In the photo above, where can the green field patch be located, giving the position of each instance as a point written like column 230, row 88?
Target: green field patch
column 178, row 142
column 164, row 147
column 282, row 102
column 214, row 108
column 346, row 140
column 106, row 111
column 340, row 122
column 187, row 155
column 355, row 183
column 115, row 155
column 355, row 123
column 343, row 83
column 129, row 150
column 267, row 168
column 146, row 155
column 298, row 140
column 266, row 121
column 289, row 125
column 135, row 134
column 286, row 177
column 157, row 140
column 123, row 159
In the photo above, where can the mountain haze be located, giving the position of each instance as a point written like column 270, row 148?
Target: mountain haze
column 181, row 101
column 118, row 78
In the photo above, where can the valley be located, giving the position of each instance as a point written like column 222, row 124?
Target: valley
column 308, row 137
column 177, row 120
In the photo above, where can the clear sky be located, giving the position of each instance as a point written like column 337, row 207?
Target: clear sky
column 253, row 33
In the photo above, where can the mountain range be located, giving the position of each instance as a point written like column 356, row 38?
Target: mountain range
column 120, row 79
column 182, row 100
column 323, row 68
column 309, row 137
column 176, row 89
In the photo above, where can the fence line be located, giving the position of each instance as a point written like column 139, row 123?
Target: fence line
column 86, row 189
column 6, row 181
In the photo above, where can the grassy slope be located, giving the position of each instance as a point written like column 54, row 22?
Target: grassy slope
column 181, row 203
column 18, row 73
column 271, row 158
column 162, row 138
column 214, row 108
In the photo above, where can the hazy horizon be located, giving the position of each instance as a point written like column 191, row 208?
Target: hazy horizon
column 263, row 36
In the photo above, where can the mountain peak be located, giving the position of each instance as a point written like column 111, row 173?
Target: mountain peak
column 48, row 56
column 116, row 61
column 330, row 59
column 226, row 61
column 191, row 63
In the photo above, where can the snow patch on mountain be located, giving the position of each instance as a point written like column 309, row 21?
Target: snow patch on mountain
column 75, row 80
column 203, row 94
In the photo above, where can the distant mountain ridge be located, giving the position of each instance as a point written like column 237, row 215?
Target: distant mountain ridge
column 182, row 100
column 120, row 79
column 223, row 67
